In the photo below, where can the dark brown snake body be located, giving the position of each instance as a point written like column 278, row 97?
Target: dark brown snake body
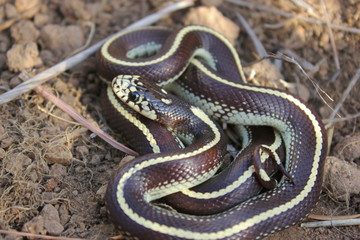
column 209, row 58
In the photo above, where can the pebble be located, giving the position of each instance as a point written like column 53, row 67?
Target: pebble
column 2, row 153
column 348, row 148
column 82, row 150
column 24, row 5
column 64, row 214
column 57, row 170
column 214, row 19
column 24, row 32
column 6, row 142
column 21, row 57
column 62, row 39
column 342, row 178
column 16, row 163
column 35, row 225
column 51, row 220
column 57, row 154
column 10, row 11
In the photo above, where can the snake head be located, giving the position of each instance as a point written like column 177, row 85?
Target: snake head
column 146, row 98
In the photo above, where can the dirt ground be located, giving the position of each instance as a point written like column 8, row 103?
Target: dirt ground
column 53, row 173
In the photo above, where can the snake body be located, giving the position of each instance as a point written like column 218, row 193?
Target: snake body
column 198, row 52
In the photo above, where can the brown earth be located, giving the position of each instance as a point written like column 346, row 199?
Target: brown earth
column 53, row 173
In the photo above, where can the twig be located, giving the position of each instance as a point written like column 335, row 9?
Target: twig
column 68, row 109
column 349, row 117
column 322, row 217
column 291, row 60
column 39, row 236
column 334, row 223
column 258, row 45
column 290, row 15
column 345, row 94
column 72, row 61
column 331, row 35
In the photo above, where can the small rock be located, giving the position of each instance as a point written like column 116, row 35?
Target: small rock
column 24, row 5
column 57, row 170
column 48, row 57
column 100, row 193
column 3, row 133
column 215, row 3
column 21, row 57
column 2, row 153
column 6, row 142
column 41, row 19
column 15, row 163
column 214, row 19
column 48, row 196
column 83, row 150
column 58, row 154
column 64, row 214
column 10, row 11
column 14, row 81
column 2, row 61
column 4, row 42
column 50, row 131
column 50, row 185
column 52, row 220
column 61, row 86
column 35, row 225
column 62, row 39
column 341, row 178
column 74, row 9
column 24, row 32
column 348, row 148
column 95, row 159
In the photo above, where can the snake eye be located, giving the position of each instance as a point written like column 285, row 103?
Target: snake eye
column 134, row 96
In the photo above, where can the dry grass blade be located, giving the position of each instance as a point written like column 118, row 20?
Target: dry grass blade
column 322, row 217
column 38, row 236
column 333, row 223
column 258, row 45
column 351, row 85
column 68, row 109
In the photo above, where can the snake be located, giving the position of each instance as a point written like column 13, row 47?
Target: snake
column 161, row 56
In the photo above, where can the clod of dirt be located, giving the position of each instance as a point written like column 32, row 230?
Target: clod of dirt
column 64, row 214
column 62, row 40
column 41, row 19
column 2, row 153
column 349, row 148
column 214, row 19
column 4, row 42
column 264, row 73
column 74, row 10
column 21, row 57
column 16, row 163
column 35, row 225
column 57, row 154
column 24, row 32
column 341, row 178
column 24, row 5
column 6, row 142
column 10, row 11
column 51, row 220
column 57, row 170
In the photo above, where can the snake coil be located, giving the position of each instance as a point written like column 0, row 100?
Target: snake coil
column 220, row 90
